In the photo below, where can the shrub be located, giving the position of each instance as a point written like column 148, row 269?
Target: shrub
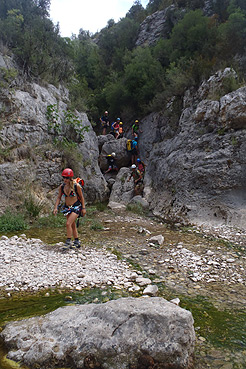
column 33, row 206
column 136, row 208
column 96, row 225
column 12, row 221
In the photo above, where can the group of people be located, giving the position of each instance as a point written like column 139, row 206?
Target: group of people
column 116, row 127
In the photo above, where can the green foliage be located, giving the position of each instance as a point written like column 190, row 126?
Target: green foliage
column 8, row 74
column 35, row 41
column 96, row 225
column 70, row 119
column 232, row 35
column 12, row 220
column 4, row 154
column 136, row 208
column 54, row 123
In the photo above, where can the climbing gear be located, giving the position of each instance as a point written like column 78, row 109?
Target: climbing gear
column 129, row 146
column 67, row 173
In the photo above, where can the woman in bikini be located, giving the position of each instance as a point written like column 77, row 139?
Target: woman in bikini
column 74, row 205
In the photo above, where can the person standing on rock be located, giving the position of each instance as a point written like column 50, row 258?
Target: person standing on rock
column 74, row 206
column 138, row 180
column 105, row 122
column 136, row 129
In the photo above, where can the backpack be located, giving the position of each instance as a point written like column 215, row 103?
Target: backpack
column 80, row 181
column 129, row 146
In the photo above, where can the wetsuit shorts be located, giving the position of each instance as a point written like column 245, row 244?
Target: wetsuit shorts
column 75, row 208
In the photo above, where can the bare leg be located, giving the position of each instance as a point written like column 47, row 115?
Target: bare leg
column 71, row 226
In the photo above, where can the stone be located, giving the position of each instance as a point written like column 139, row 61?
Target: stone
column 151, row 290
column 116, row 333
column 159, row 239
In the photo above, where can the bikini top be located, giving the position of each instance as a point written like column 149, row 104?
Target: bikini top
column 72, row 193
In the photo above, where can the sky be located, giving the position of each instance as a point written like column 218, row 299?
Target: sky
column 91, row 15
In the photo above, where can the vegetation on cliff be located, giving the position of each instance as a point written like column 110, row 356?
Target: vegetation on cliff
column 108, row 70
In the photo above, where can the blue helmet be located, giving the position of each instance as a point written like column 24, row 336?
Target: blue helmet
column 138, row 160
column 118, row 119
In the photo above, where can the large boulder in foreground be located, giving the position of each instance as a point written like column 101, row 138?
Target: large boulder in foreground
column 116, row 335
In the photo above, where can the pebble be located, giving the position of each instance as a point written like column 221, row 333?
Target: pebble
column 28, row 264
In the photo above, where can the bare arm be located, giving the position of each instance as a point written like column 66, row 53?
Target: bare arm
column 81, row 198
column 55, row 211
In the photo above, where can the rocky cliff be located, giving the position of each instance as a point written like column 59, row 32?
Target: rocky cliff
column 196, row 167
column 34, row 150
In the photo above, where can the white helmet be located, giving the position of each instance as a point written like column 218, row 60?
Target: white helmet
column 133, row 166
column 113, row 154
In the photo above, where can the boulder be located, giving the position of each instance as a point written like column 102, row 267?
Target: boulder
column 122, row 190
column 122, row 158
column 139, row 200
column 115, row 335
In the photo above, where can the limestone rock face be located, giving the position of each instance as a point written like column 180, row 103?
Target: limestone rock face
column 195, row 172
column 32, row 164
column 156, row 25
column 116, row 335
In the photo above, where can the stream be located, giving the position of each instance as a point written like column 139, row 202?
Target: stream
column 206, row 273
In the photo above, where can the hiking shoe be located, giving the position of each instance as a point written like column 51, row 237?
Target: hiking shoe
column 67, row 244
column 76, row 244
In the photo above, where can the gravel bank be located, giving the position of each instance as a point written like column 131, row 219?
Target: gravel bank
column 29, row 264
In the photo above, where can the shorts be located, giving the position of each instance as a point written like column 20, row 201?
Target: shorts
column 75, row 208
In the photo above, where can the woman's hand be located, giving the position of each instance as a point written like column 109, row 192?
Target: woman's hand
column 55, row 211
column 83, row 212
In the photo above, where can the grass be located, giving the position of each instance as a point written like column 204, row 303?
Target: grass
column 11, row 220
column 51, row 221
column 136, row 208
column 95, row 226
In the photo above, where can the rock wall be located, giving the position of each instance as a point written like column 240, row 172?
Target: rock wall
column 30, row 162
column 196, row 169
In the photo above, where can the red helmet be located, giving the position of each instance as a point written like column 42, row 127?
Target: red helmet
column 67, row 173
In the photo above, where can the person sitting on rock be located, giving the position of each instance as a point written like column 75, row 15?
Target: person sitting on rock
column 105, row 122
column 138, row 180
column 111, row 163
column 74, row 206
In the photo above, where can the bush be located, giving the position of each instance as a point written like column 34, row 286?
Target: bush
column 33, row 206
column 136, row 208
column 12, row 221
